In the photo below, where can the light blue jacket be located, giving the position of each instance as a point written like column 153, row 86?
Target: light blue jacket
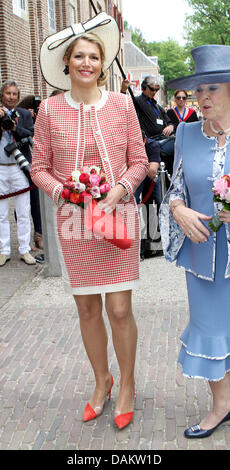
column 198, row 162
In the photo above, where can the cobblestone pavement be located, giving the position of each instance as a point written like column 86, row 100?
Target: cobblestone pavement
column 46, row 380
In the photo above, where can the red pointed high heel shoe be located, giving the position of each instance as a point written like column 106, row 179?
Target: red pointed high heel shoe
column 92, row 413
column 124, row 419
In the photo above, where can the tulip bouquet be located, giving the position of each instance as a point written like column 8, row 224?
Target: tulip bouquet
column 221, row 190
column 89, row 183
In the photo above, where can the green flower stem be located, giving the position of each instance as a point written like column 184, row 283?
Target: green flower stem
column 215, row 223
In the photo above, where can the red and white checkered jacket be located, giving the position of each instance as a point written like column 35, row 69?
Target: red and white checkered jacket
column 59, row 141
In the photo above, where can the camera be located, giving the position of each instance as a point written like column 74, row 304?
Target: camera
column 15, row 150
column 7, row 122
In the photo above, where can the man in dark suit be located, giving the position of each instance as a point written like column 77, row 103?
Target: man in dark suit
column 12, row 177
column 153, row 118
column 155, row 121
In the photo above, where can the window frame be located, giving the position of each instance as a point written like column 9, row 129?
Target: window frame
column 20, row 8
column 52, row 16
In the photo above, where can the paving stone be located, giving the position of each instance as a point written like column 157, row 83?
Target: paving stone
column 39, row 440
column 53, row 430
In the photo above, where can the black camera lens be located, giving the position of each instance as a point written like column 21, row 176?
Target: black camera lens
column 15, row 149
column 7, row 123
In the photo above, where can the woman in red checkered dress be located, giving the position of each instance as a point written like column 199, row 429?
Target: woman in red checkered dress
column 87, row 126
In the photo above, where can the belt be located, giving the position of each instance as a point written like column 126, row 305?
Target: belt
column 8, row 164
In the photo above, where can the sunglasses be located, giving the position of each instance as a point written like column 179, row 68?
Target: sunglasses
column 181, row 98
column 152, row 88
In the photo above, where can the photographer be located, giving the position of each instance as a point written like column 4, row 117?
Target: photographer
column 32, row 103
column 15, row 124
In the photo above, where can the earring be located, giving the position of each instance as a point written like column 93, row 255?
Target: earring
column 102, row 74
column 66, row 70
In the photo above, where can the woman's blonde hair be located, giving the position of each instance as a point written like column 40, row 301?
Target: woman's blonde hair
column 91, row 37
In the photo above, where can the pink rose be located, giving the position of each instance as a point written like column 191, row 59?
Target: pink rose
column 95, row 191
column 220, row 187
column 94, row 179
column 80, row 187
column 104, row 188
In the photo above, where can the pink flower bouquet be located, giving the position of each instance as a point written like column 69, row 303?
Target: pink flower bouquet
column 221, row 191
column 89, row 183
column 86, row 188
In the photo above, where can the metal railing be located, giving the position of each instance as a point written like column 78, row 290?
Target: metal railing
column 163, row 174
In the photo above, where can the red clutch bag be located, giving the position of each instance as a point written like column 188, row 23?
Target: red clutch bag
column 109, row 226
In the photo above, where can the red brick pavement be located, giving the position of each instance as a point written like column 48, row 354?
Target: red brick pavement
column 46, row 380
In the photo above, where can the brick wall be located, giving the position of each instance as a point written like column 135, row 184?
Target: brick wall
column 22, row 36
column 15, row 53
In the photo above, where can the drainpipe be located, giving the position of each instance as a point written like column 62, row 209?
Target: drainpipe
column 112, row 66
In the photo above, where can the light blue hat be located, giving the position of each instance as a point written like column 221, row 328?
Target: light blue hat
column 212, row 66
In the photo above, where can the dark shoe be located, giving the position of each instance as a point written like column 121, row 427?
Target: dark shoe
column 196, row 432
column 40, row 258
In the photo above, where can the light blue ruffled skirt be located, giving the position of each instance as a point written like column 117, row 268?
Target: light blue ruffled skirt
column 205, row 351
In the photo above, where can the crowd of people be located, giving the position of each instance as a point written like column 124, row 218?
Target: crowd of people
column 17, row 126
column 98, row 134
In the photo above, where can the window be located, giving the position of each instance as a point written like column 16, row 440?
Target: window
column 52, row 16
column 19, row 7
column 72, row 13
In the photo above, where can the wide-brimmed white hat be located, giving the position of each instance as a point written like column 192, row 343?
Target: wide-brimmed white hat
column 54, row 47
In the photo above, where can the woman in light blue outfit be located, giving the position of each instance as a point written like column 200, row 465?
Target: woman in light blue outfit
column 202, row 154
